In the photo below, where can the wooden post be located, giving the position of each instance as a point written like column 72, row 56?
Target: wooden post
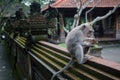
column 116, row 21
column 58, row 25
column 29, row 67
column 90, row 16
column 117, row 26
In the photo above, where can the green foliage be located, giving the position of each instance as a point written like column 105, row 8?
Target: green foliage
column 95, row 46
column 42, row 2
column 69, row 22
column 62, row 45
column 8, row 7
column 20, row 0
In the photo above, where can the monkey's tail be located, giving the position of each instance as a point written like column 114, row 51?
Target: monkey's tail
column 64, row 68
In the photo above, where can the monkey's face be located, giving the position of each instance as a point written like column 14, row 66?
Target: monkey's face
column 88, row 31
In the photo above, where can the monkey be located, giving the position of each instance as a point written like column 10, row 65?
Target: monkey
column 78, row 39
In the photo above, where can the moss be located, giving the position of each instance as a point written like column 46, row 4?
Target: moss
column 62, row 45
column 96, row 47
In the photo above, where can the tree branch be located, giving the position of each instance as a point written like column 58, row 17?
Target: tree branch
column 81, row 9
column 86, row 14
column 76, row 2
column 75, row 21
column 106, row 15
column 5, row 6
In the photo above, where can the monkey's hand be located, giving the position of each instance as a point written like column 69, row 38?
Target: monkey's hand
column 90, row 40
column 88, row 56
column 87, row 44
column 85, row 59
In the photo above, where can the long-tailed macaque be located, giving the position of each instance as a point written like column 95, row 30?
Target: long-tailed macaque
column 78, row 39
column 78, row 42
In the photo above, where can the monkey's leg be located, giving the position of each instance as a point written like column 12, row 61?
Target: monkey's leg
column 79, row 54
column 86, row 50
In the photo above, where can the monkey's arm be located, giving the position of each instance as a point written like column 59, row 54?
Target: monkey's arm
column 87, row 44
column 90, row 42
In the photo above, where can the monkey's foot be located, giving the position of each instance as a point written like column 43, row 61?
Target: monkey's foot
column 88, row 56
column 84, row 60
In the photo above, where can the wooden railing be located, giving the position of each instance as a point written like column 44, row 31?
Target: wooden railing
column 44, row 59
